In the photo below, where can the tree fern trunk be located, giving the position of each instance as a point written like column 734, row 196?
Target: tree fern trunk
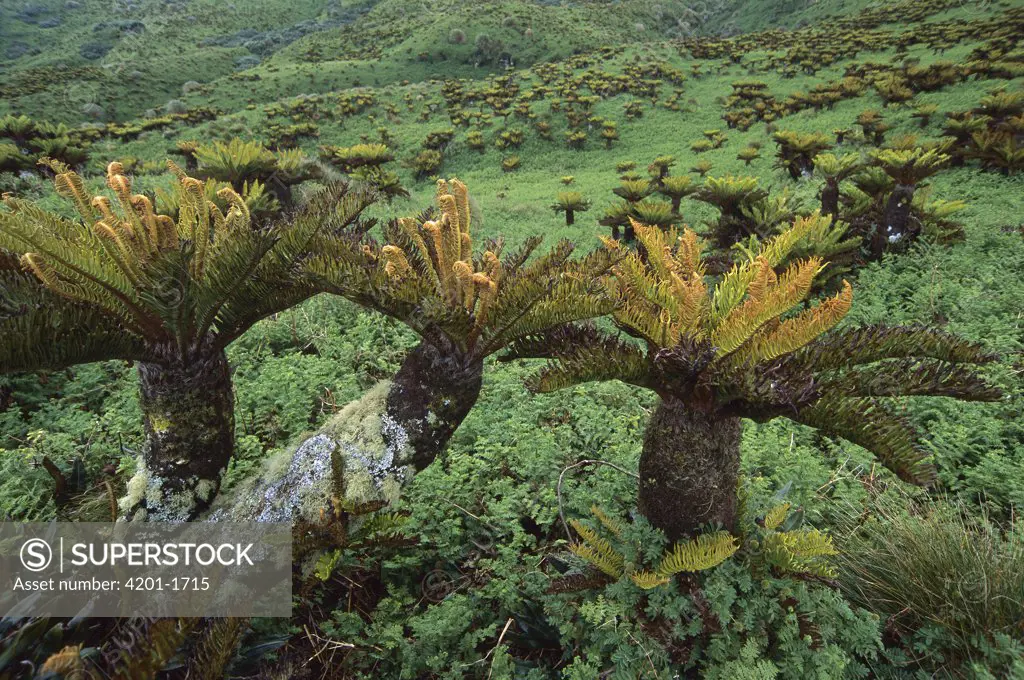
column 897, row 211
column 830, row 198
column 689, row 469
column 430, row 396
column 188, row 414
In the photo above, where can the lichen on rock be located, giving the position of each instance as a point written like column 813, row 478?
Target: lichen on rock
column 298, row 484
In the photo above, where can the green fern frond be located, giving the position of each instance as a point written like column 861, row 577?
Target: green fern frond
column 776, row 516
column 213, row 653
column 151, row 652
column 648, row 580
column 597, row 551
column 871, row 424
column 698, row 554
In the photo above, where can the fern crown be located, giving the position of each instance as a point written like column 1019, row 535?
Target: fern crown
column 427, row 276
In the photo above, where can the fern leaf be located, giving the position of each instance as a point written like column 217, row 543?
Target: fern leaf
column 610, row 524
column 597, row 551
column 776, row 516
column 213, row 653
column 698, row 554
column 869, row 423
column 648, row 580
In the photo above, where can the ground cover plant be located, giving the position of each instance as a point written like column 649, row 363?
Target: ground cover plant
column 764, row 242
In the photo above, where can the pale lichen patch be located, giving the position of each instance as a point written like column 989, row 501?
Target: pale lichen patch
column 299, row 484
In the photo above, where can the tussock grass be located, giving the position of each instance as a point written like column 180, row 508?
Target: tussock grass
column 935, row 565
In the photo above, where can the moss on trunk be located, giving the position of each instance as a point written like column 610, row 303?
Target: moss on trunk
column 188, row 414
column 689, row 469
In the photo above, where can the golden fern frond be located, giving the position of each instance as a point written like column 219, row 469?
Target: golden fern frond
column 790, row 290
column 797, row 332
column 688, row 253
column 597, row 551
column 65, row 663
column 657, row 254
column 648, row 580
column 800, row 551
column 451, row 237
column 69, row 185
column 609, row 523
column 703, row 552
column 776, row 516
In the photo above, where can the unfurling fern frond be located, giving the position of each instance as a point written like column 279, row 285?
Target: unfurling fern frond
column 428, row 276
column 703, row 552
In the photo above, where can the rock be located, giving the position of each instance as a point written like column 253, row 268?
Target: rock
column 299, row 484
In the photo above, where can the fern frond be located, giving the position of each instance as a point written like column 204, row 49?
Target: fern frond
column 698, row 554
column 774, row 518
column 790, row 290
column 150, row 653
column 597, row 551
column 868, row 344
column 610, row 524
column 65, row 663
column 869, row 423
column 216, row 647
column 800, row 551
column 794, row 333
column 648, row 580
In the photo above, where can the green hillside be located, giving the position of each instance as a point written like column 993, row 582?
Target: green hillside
column 524, row 546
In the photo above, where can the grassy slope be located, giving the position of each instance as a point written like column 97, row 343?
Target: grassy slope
column 364, row 42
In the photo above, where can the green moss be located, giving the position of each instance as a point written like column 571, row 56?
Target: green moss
column 159, row 423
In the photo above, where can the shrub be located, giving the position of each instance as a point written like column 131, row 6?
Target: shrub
column 426, row 163
column 175, row 106
column 94, row 50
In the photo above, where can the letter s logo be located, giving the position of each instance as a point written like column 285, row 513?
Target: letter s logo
column 36, row 554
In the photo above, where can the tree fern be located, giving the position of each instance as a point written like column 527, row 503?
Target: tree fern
column 749, row 346
column 465, row 304
column 123, row 281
